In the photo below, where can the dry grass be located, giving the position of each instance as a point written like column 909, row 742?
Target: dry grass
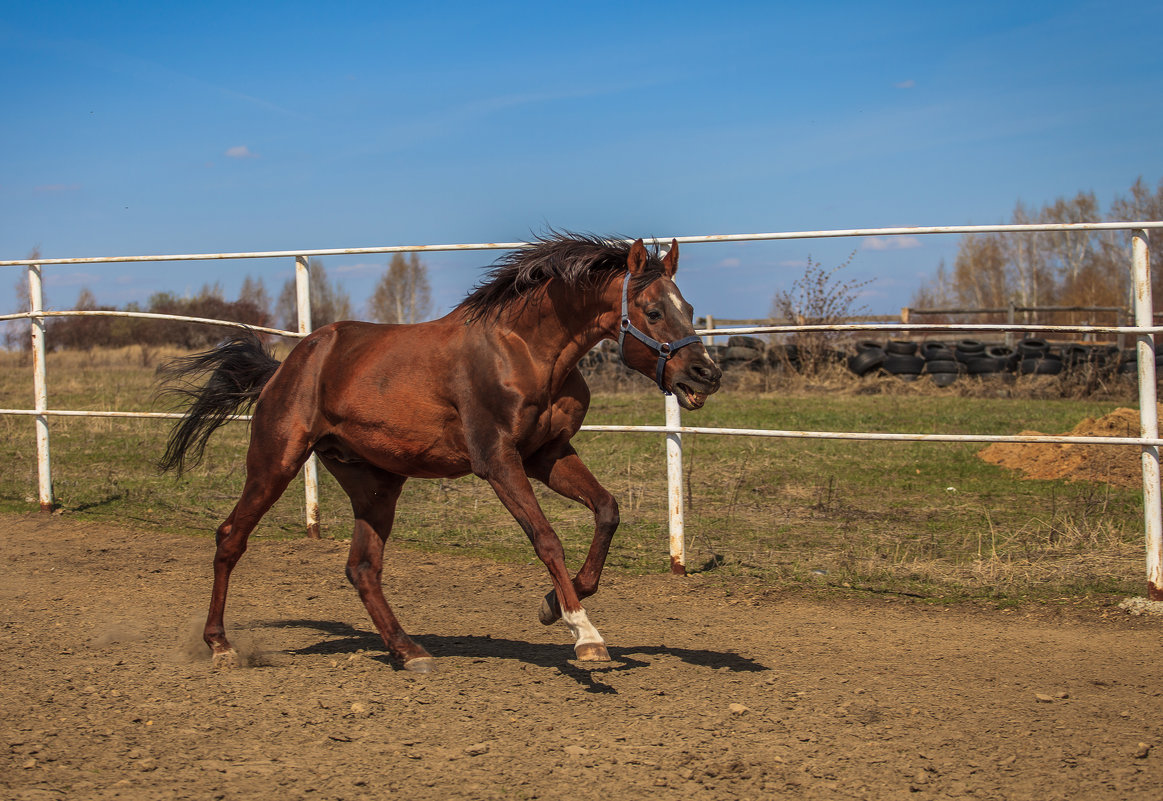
column 872, row 516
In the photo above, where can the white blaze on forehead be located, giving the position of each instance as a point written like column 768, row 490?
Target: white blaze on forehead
column 675, row 299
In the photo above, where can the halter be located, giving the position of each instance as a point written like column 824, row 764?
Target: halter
column 664, row 349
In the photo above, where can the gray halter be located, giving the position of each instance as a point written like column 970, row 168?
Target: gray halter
column 664, row 349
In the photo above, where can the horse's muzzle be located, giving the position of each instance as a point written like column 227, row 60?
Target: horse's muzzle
column 694, row 384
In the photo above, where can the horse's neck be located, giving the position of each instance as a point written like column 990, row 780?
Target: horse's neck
column 560, row 326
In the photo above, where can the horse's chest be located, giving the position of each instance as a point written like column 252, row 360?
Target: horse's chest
column 544, row 425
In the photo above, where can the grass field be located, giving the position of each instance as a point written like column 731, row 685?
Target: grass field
column 926, row 519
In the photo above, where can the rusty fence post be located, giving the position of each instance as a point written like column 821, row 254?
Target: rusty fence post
column 1148, row 414
column 40, row 388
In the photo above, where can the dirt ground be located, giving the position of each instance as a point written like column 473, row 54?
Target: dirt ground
column 715, row 691
column 1119, row 466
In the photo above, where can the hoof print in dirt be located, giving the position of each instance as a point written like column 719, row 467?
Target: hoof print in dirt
column 226, row 660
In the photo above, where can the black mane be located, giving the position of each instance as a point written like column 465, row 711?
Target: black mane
column 582, row 261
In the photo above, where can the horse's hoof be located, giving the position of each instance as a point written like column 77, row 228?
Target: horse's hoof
column 421, row 664
column 226, row 660
column 550, row 611
column 591, row 652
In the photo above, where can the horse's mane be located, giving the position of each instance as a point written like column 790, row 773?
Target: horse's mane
column 582, row 261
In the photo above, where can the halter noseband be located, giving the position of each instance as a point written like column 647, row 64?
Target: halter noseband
column 665, row 350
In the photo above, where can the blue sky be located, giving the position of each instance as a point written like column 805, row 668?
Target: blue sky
column 158, row 128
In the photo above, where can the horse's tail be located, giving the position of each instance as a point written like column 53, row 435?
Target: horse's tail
column 239, row 368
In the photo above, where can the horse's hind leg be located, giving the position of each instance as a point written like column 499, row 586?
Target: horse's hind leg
column 373, row 494
column 264, row 484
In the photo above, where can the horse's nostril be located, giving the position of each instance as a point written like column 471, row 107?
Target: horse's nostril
column 707, row 372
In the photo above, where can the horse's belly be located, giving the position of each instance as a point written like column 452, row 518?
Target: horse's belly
column 415, row 457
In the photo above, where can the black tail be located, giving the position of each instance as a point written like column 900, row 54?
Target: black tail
column 239, row 368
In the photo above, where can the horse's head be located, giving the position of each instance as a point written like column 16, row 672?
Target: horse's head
column 657, row 334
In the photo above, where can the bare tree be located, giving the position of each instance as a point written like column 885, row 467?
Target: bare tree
column 818, row 297
column 403, row 294
column 1073, row 268
column 1029, row 278
column 16, row 335
column 979, row 272
column 328, row 302
column 1070, row 252
column 255, row 293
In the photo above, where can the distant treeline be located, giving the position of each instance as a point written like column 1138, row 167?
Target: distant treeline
column 1072, row 268
column 83, row 333
column 401, row 296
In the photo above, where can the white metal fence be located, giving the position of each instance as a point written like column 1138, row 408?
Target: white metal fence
column 1143, row 330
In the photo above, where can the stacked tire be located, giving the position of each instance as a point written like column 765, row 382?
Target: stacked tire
column 941, row 364
column 743, row 352
column 901, row 360
column 1035, row 357
column 869, row 358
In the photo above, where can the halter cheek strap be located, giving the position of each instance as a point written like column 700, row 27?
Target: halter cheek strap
column 665, row 350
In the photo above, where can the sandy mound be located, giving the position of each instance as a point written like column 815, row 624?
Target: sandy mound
column 1118, row 465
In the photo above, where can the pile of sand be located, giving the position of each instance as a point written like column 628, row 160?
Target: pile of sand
column 1119, row 465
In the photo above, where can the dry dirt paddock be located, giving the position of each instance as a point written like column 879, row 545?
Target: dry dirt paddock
column 108, row 693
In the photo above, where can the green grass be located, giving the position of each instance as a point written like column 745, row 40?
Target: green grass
column 925, row 519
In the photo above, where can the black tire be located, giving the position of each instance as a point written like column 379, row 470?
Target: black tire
column 986, row 365
column 1129, row 361
column 1104, row 354
column 868, row 344
column 1033, row 348
column 935, row 366
column 778, row 355
column 936, row 351
column 944, row 379
column 968, row 349
column 900, row 347
column 899, row 364
column 1006, row 355
column 1075, row 354
column 866, row 361
column 1040, row 366
column 744, row 342
column 739, row 354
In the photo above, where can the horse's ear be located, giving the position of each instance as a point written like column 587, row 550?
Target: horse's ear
column 636, row 260
column 670, row 260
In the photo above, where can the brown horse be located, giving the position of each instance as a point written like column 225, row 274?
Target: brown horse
column 491, row 389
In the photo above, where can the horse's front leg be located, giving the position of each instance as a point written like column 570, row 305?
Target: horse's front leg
column 562, row 470
column 507, row 478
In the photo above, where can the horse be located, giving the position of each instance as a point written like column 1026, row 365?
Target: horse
column 492, row 388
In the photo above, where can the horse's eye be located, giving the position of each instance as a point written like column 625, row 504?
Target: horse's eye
column 653, row 316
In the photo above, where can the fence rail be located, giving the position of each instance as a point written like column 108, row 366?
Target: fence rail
column 1143, row 330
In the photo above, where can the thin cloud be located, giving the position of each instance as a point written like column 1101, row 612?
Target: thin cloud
column 891, row 243
column 909, row 84
column 241, row 152
column 361, row 267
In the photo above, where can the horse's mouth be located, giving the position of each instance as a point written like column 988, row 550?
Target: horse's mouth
column 689, row 398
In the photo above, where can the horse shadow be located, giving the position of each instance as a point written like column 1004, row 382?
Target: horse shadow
column 347, row 639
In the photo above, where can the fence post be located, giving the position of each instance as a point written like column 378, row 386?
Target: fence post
column 40, row 388
column 674, row 488
column 311, row 467
column 710, row 340
column 1148, row 414
column 1011, row 318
